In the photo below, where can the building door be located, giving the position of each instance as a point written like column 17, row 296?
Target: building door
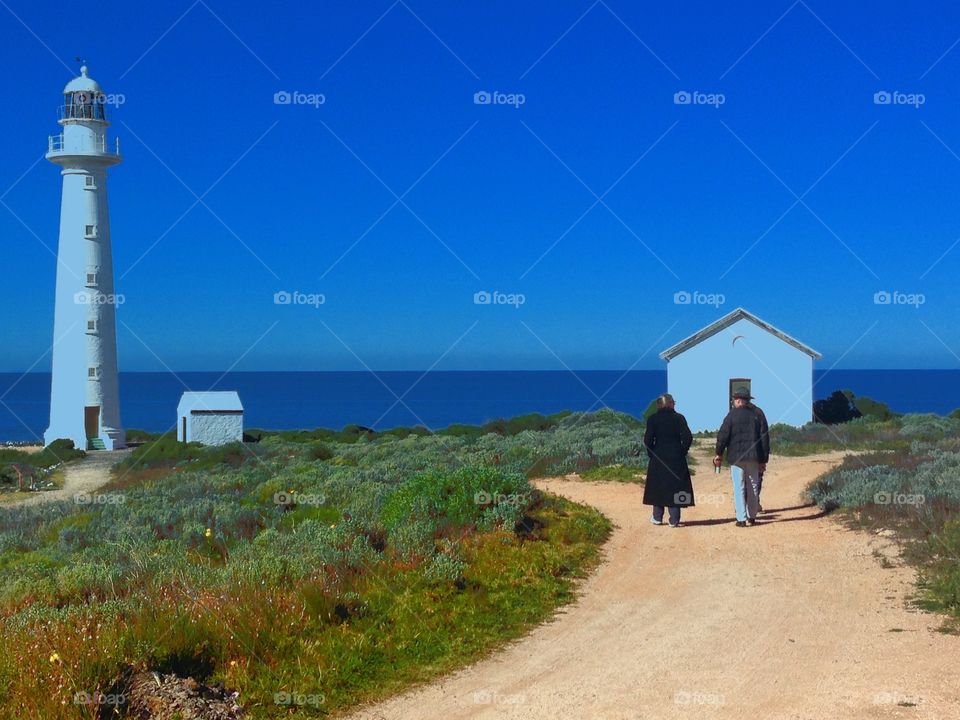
column 184, row 425
column 91, row 421
column 736, row 384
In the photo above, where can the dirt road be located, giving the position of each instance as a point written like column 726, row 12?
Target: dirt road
column 795, row 618
column 79, row 477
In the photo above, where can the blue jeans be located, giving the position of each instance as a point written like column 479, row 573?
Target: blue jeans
column 674, row 514
column 745, row 476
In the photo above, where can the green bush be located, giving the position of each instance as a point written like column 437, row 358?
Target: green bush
column 929, row 426
column 870, row 408
column 452, row 500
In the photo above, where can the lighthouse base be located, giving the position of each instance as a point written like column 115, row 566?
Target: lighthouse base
column 106, row 439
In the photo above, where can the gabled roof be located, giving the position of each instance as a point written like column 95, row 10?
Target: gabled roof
column 725, row 322
column 222, row 400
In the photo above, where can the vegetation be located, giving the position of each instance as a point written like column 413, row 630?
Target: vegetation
column 843, row 406
column 914, row 491
column 864, row 433
column 307, row 571
column 616, row 473
column 19, row 465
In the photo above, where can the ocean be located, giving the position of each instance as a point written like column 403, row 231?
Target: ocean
column 283, row 400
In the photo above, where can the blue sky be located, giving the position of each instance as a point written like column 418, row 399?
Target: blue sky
column 398, row 198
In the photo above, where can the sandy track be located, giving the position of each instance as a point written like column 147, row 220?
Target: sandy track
column 80, row 476
column 792, row 619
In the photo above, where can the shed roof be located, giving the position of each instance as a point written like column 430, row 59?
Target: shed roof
column 725, row 322
column 226, row 400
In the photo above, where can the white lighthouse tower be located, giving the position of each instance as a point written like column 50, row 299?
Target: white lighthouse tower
column 84, row 397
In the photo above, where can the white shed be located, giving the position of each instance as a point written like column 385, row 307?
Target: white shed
column 741, row 350
column 211, row 418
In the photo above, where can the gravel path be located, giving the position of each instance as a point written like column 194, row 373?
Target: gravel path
column 81, row 476
column 793, row 619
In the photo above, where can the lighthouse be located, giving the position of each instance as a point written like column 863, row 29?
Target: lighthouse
column 84, row 393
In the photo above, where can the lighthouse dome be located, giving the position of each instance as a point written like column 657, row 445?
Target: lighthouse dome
column 83, row 84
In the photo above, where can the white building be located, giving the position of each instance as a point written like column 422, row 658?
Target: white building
column 211, row 418
column 84, row 396
column 741, row 350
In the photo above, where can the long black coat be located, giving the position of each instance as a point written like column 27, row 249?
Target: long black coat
column 667, row 440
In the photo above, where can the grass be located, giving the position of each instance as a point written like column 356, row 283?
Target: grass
column 41, row 469
column 614, row 473
column 867, row 433
column 345, row 639
column 308, row 566
column 914, row 492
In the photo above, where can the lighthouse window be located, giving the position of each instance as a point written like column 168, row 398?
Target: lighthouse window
column 90, row 181
column 90, row 231
column 92, row 325
column 85, row 106
column 92, row 372
column 91, row 278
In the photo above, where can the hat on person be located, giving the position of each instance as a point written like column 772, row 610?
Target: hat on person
column 742, row 393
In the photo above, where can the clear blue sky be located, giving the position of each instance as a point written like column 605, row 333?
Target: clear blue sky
column 499, row 191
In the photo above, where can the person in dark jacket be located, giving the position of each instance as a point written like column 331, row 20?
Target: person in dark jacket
column 667, row 440
column 747, row 447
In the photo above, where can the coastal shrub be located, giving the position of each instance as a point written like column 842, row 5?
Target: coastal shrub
column 940, row 578
column 169, row 452
column 319, row 451
column 930, row 476
column 915, row 491
column 141, row 436
column 837, row 408
column 192, row 561
column 871, row 408
column 56, row 453
column 928, row 425
column 453, row 500
column 413, row 540
column 860, row 433
column 445, row 567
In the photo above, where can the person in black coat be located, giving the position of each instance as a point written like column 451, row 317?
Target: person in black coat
column 667, row 440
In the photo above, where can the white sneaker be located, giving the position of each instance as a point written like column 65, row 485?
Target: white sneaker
column 656, row 522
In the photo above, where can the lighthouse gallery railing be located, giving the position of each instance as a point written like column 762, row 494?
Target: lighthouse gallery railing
column 56, row 144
